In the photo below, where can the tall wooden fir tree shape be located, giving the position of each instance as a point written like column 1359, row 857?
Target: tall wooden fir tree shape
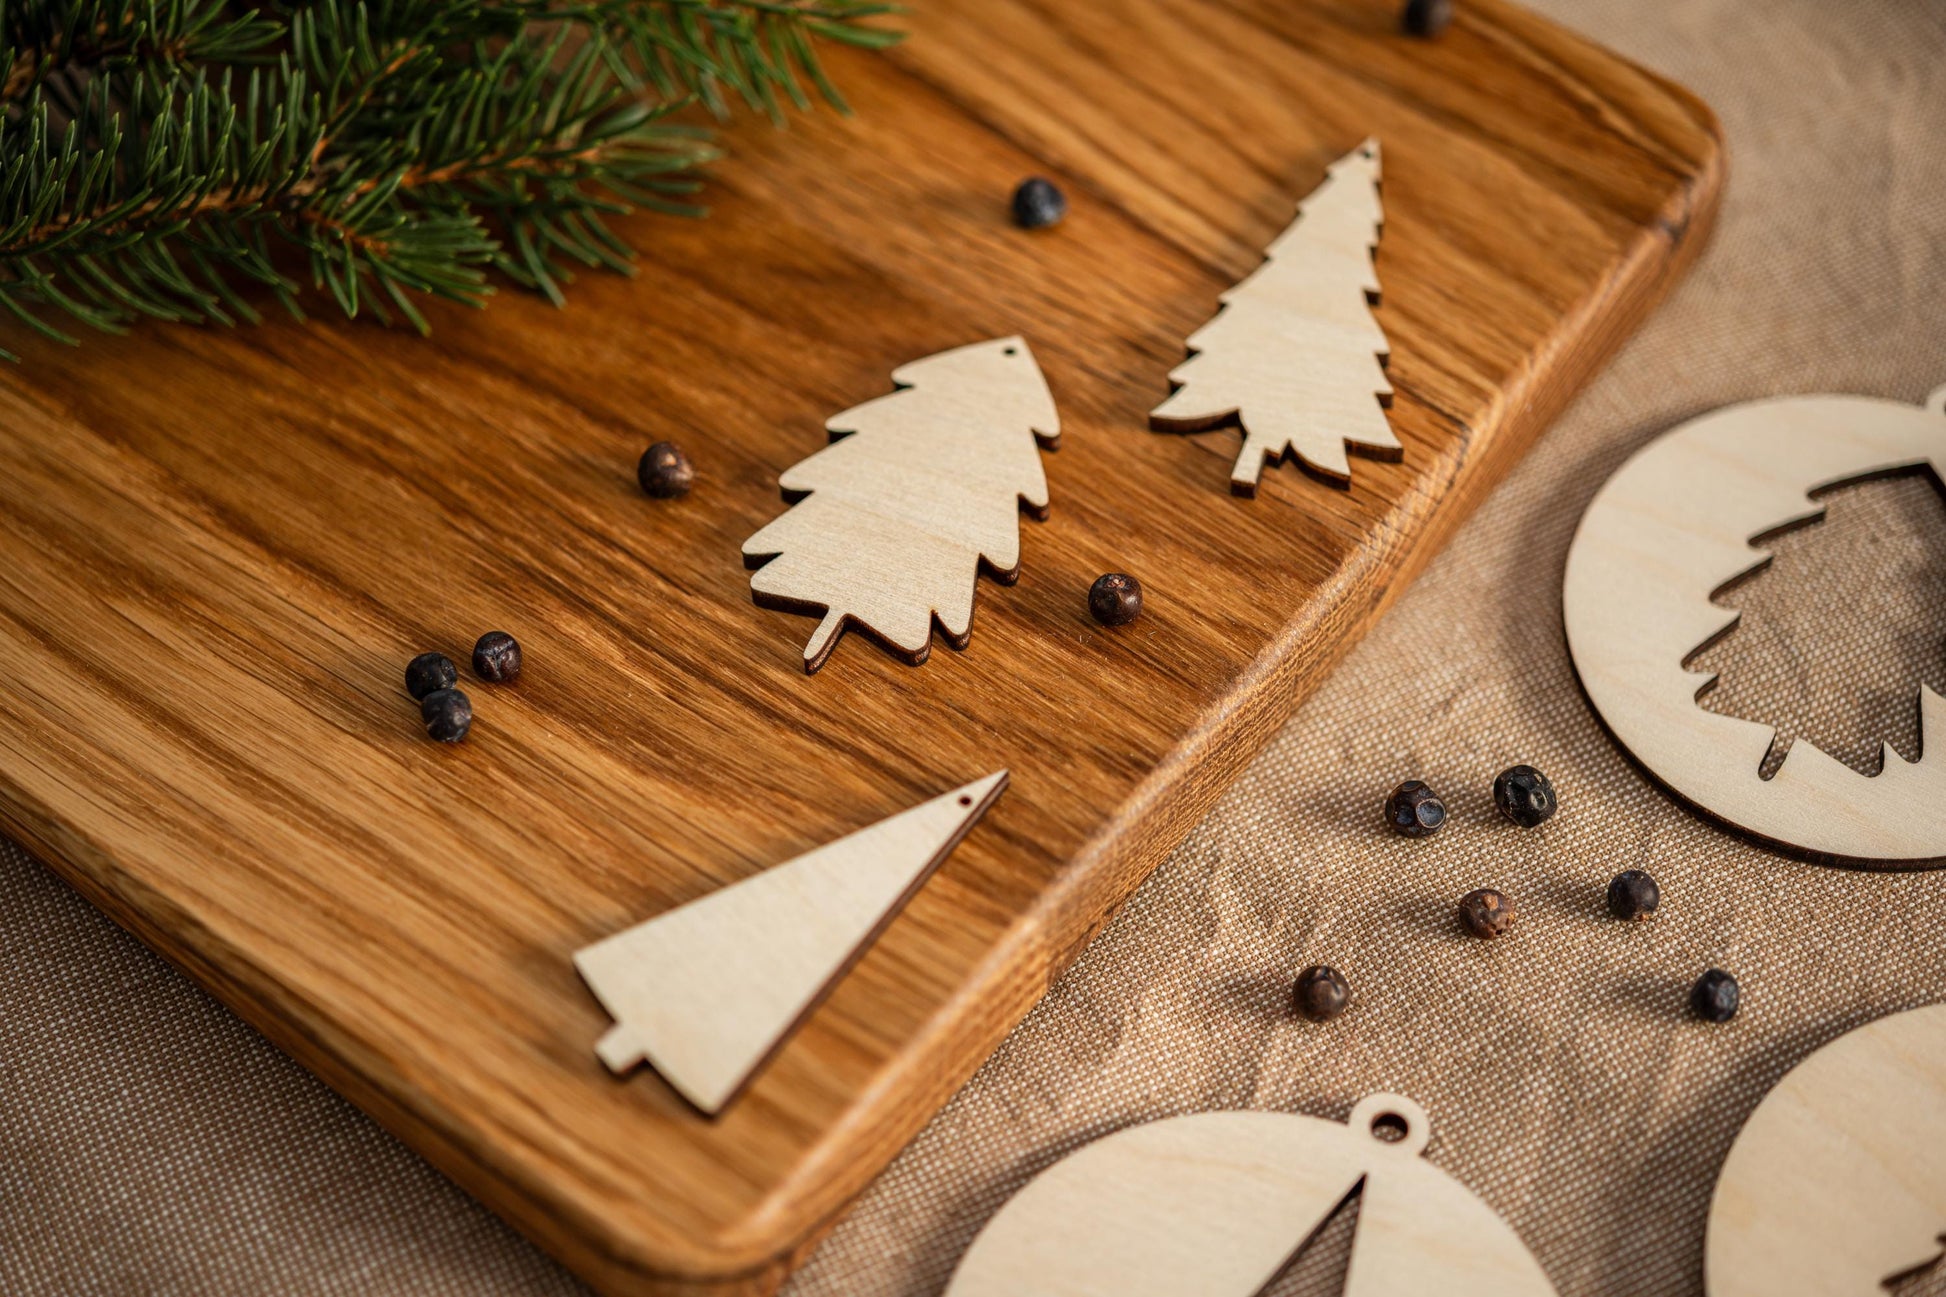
column 1294, row 354
column 919, row 490
column 709, row 990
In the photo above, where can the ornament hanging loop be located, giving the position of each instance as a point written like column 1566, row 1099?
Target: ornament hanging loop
column 1393, row 1121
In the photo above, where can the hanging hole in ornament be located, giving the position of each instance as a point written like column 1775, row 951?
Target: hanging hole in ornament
column 1010, row 351
column 965, row 800
column 1394, row 1121
column 1390, row 1128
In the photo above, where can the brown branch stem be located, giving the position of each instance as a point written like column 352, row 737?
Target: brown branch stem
column 291, row 199
column 31, row 66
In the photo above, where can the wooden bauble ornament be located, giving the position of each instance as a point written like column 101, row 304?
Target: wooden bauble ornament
column 919, row 492
column 1673, row 526
column 1836, row 1186
column 1294, row 355
column 707, row 991
column 1215, row 1204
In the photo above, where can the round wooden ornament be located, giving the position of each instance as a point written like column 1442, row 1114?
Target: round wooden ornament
column 1215, row 1204
column 1675, row 525
column 1837, row 1184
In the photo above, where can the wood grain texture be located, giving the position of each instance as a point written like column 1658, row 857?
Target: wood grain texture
column 1218, row 1203
column 1679, row 522
column 1836, row 1186
column 218, row 551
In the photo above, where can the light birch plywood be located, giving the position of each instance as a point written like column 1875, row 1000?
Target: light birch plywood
column 1214, row 1205
column 1675, row 525
column 1294, row 355
column 918, row 492
column 1836, row 1186
column 707, row 991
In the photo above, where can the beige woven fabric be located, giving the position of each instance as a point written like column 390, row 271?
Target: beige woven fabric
column 1565, row 1083
column 151, row 1143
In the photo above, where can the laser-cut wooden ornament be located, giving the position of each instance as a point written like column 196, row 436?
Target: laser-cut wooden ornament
column 1217, row 1203
column 1836, row 1185
column 1672, row 527
column 918, row 493
column 1294, row 355
column 707, row 991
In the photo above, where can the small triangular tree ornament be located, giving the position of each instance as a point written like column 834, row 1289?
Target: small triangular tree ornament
column 1294, row 355
column 707, row 991
column 919, row 491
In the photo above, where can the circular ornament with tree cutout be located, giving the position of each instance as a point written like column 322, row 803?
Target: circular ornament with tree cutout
column 1219, row 1203
column 1672, row 528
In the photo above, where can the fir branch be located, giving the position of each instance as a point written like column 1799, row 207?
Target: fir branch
column 165, row 158
column 756, row 48
column 61, row 37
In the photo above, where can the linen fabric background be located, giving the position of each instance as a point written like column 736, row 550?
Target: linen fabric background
column 151, row 1143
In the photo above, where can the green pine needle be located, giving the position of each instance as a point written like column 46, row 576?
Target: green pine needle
column 172, row 159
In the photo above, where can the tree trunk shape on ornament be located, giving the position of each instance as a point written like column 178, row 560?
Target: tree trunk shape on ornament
column 919, row 491
column 1294, row 355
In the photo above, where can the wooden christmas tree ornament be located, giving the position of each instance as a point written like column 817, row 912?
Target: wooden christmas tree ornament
column 1218, row 1203
column 918, row 492
column 1836, row 1186
column 1294, row 355
column 708, row 990
column 1674, row 526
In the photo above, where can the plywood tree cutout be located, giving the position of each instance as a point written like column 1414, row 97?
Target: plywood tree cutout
column 1837, row 630
column 1217, row 1203
column 918, row 491
column 1294, row 355
column 1673, row 525
column 707, row 991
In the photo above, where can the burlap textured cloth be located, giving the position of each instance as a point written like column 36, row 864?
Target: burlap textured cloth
column 151, row 1143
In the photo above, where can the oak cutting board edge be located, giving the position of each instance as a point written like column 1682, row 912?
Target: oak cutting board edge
column 1628, row 165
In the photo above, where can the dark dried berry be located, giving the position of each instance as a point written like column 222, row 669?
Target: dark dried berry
column 1714, row 997
column 1037, row 204
column 1486, row 913
column 1321, row 992
column 448, row 715
column 1414, row 810
column 1524, row 796
column 1427, row 18
column 496, row 657
column 665, row 472
column 1632, row 894
column 1115, row 599
column 430, row 671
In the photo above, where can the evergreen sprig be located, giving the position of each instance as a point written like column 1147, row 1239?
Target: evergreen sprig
column 161, row 157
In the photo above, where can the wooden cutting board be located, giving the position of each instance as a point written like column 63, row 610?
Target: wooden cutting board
column 218, row 550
